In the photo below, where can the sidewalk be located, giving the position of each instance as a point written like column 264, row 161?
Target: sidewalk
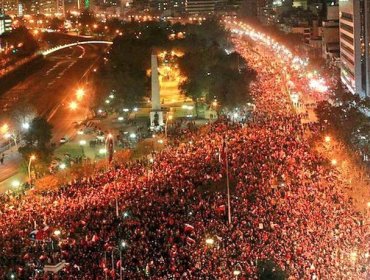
column 10, row 167
column 356, row 184
column 354, row 177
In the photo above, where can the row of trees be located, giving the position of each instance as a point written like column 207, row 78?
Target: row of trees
column 210, row 72
column 346, row 117
column 21, row 40
column 37, row 140
column 30, row 133
column 128, row 61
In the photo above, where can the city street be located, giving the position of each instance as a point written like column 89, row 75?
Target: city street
column 50, row 90
column 245, row 178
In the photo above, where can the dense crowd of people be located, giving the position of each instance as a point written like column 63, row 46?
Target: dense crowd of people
column 287, row 206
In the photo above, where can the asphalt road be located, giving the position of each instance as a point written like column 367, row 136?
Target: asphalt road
column 50, row 90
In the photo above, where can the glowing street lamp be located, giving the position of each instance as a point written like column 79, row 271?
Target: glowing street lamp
column 16, row 184
column 25, row 125
column 334, row 162
column 4, row 128
column 57, row 232
column 73, row 105
column 210, row 241
column 132, row 135
column 80, row 93
column 123, row 244
column 327, row 139
column 82, row 144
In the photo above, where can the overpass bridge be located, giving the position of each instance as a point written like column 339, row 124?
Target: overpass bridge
column 57, row 48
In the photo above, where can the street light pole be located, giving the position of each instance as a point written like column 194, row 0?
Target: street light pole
column 120, row 248
column 120, row 264
column 32, row 158
column 228, row 185
column 105, row 261
column 109, row 146
column 165, row 127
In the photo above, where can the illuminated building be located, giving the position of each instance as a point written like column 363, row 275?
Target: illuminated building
column 5, row 24
column 354, row 46
column 200, row 7
column 51, row 7
column 9, row 7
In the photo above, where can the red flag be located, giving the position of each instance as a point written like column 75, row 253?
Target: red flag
column 41, row 234
column 221, row 209
column 188, row 228
column 95, row 238
column 190, row 241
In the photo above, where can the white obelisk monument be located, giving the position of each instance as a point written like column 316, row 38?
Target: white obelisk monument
column 156, row 114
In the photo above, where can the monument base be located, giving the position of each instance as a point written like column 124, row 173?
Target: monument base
column 156, row 120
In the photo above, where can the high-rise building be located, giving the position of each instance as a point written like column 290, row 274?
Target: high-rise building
column 300, row 4
column 354, row 30
column 5, row 23
column 330, row 34
column 9, row 7
column 51, row 7
column 200, row 7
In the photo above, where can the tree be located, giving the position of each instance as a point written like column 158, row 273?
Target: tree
column 37, row 140
column 213, row 74
column 22, row 115
column 87, row 18
column 22, row 39
column 346, row 117
column 56, row 23
column 268, row 270
column 129, row 60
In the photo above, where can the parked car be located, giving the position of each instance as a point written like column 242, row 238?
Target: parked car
column 63, row 140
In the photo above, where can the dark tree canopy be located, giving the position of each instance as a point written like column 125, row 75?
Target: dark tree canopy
column 346, row 117
column 22, row 40
column 210, row 71
column 37, row 139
